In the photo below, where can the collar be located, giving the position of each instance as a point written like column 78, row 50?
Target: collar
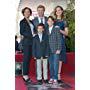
column 40, row 33
column 51, row 27
column 39, row 18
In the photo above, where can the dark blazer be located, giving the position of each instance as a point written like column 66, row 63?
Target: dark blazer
column 25, row 30
column 40, row 49
column 54, row 39
column 36, row 22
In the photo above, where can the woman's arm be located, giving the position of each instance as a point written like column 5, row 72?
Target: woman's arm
column 23, row 30
column 64, row 32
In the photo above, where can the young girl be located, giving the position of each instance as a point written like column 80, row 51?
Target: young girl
column 61, row 23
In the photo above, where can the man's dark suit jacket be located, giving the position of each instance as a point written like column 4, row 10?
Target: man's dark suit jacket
column 36, row 22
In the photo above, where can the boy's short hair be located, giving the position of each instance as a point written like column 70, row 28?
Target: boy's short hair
column 41, row 24
column 51, row 17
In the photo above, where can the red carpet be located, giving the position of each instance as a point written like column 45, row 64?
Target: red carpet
column 66, row 78
column 68, row 71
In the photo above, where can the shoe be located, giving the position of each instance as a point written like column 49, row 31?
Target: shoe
column 50, row 81
column 40, row 82
column 60, row 81
column 55, row 81
column 28, row 81
column 46, row 81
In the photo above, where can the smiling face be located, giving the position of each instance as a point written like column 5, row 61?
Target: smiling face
column 40, row 12
column 50, row 22
column 59, row 11
column 40, row 29
column 27, row 13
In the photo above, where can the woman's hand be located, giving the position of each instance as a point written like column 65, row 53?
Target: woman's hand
column 35, row 58
column 58, row 52
column 64, row 32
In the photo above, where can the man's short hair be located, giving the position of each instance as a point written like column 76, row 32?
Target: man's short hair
column 41, row 6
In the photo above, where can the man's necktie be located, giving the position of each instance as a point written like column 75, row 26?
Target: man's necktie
column 41, row 20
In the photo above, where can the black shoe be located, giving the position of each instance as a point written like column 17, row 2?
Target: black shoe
column 46, row 81
column 28, row 81
column 40, row 82
column 60, row 82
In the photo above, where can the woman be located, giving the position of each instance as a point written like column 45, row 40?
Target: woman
column 61, row 23
column 27, row 31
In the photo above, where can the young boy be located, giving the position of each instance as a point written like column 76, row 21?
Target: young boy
column 55, row 48
column 40, row 53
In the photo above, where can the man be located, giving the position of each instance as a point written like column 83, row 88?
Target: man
column 40, row 18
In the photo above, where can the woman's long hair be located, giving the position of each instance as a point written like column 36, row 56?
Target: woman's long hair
column 62, row 16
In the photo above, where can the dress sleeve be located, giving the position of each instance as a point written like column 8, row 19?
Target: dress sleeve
column 65, row 24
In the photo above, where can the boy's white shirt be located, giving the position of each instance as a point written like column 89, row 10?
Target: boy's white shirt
column 40, row 36
column 50, row 29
